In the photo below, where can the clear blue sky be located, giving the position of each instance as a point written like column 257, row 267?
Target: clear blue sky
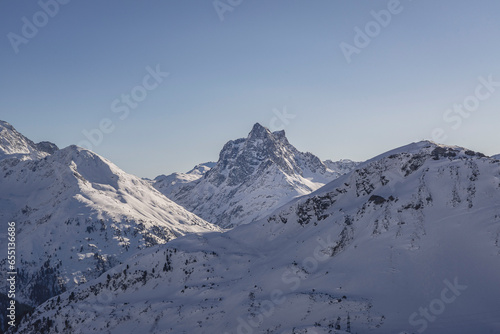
column 226, row 75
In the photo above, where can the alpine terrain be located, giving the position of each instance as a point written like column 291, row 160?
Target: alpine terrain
column 252, row 177
column 15, row 145
column 77, row 215
column 408, row 242
column 168, row 184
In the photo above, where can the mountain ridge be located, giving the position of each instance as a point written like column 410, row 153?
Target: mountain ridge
column 252, row 176
column 14, row 145
column 365, row 253
column 77, row 215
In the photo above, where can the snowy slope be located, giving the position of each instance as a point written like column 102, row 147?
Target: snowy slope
column 15, row 145
column 409, row 242
column 342, row 166
column 168, row 184
column 77, row 215
column 252, row 177
column 496, row 157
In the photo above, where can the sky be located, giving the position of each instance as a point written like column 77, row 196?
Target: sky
column 160, row 86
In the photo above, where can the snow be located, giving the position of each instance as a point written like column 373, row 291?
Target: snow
column 79, row 215
column 174, row 182
column 15, row 145
column 253, row 176
column 374, row 246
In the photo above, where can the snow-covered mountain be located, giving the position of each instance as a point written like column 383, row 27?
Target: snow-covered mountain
column 342, row 166
column 406, row 243
column 496, row 157
column 252, row 177
column 168, row 184
column 77, row 215
column 15, row 145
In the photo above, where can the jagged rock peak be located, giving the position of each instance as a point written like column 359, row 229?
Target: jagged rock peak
column 241, row 158
column 6, row 125
column 253, row 176
column 259, row 131
column 280, row 135
column 47, row 146
column 14, row 145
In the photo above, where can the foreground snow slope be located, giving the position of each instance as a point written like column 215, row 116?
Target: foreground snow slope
column 408, row 242
column 252, row 177
column 77, row 215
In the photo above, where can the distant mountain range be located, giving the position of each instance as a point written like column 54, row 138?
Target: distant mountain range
column 265, row 240
column 407, row 242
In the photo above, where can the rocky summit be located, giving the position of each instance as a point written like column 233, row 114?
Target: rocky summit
column 253, row 176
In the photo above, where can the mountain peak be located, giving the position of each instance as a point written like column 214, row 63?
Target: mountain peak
column 280, row 133
column 411, row 212
column 47, row 146
column 259, row 131
column 252, row 177
column 6, row 125
column 93, row 212
column 14, row 145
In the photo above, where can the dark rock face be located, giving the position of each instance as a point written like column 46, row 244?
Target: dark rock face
column 252, row 176
column 241, row 158
column 48, row 147
column 376, row 199
column 440, row 152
